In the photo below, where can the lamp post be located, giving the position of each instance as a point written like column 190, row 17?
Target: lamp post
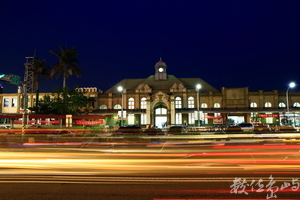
column 120, row 89
column 291, row 85
column 198, row 87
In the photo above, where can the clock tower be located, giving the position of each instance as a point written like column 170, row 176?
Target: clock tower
column 160, row 70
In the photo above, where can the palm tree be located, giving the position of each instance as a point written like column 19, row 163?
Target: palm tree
column 67, row 64
column 39, row 70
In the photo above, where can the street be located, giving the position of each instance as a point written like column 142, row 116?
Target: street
column 243, row 169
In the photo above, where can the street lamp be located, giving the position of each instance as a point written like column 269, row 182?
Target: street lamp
column 120, row 89
column 198, row 87
column 291, row 85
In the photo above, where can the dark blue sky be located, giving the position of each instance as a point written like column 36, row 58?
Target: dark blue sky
column 254, row 43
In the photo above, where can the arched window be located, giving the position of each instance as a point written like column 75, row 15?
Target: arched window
column 130, row 103
column 268, row 105
column 281, row 105
column 143, row 103
column 217, row 105
column 203, row 105
column 191, row 103
column 253, row 105
column 103, row 107
column 178, row 102
column 296, row 104
column 117, row 106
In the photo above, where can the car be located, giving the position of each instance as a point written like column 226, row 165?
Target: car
column 130, row 129
column 4, row 127
column 177, row 129
column 65, row 132
column 245, row 126
column 262, row 128
column 154, row 131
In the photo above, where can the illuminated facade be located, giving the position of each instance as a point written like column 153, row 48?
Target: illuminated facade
column 162, row 99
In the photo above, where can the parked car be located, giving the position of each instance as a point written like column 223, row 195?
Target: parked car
column 154, row 131
column 246, row 126
column 130, row 129
column 262, row 128
column 177, row 129
column 4, row 127
column 66, row 132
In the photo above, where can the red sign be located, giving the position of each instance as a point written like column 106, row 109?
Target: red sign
column 268, row 115
column 218, row 121
column 213, row 117
column 79, row 122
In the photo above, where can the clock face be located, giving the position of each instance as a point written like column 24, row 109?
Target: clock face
column 160, row 69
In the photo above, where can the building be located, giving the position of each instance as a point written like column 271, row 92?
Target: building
column 162, row 99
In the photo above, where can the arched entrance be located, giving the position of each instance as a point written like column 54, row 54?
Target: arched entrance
column 160, row 115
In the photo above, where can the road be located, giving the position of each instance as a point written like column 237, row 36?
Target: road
column 241, row 169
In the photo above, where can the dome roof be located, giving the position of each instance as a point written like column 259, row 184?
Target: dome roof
column 160, row 63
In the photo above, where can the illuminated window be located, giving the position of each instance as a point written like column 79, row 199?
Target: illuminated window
column 143, row 103
column 130, row 119
column 296, row 104
column 268, row 105
column 130, row 103
column 14, row 102
column 103, row 107
column 253, row 105
column 205, row 121
column 203, row 105
column 178, row 102
column 217, row 105
column 143, row 118
column 117, row 106
column 178, row 119
column 191, row 118
column 161, row 111
column 281, row 105
column 6, row 102
column 191, row 103
column 269, row 120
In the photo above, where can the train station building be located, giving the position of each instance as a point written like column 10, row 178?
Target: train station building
column 162, row 99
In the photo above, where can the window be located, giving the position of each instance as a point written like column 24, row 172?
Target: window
column 268, row 105
column 178, row 119
column 253, row 105
column 103, row 107
column 6, row 102
column 143, row 103
column 130, row 119
column 296, row 104
column 143, row 118
column 161, row 111
column 14, row 102
column 177, row 102
column 269, row 120
column 217, row 105
column 191, row 103
column 130, row 103
column 205, row 121
column 191, row 118
column 203, row 105
column 281, row 105
column 117, row 106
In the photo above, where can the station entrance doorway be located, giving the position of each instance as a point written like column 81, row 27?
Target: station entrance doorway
column 160, row 115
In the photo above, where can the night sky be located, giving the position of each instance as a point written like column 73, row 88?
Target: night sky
column 242, row 43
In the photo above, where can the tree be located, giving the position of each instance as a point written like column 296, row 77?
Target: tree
column 39, row 70
column 63, row 101
column 67, row 64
